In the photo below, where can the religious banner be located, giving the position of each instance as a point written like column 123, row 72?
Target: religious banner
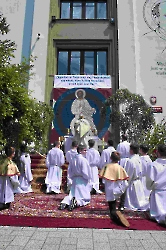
column 82, row 98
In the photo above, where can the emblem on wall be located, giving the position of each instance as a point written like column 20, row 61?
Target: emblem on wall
column 153, row 100
column 154, row 14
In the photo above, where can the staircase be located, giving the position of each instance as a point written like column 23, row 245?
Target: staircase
column 39, row 171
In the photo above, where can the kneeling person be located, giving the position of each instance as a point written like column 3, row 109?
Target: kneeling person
column 80, row 174
column 115, row 185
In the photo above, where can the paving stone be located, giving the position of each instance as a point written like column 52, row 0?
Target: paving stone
column 162, row 245
column 81, row 235
column 7, row 238
column 119, row 236
column 68, row 229
column 117, row 242
column 140, row 235
column 135, row 248
column 159, row 237
column 5, row 232
column 46, row 229
column 133, row 243
column 39, row 235
column 100, row 237
column 20, row 241
column 55, row 241
column 27, row 233
column 59, row 234
column 85, row 243
column 99, row 246
column 70, row 241
column 14, row 248
column 150, row 244
column 29, row 228
column 34, row 244
column 3, row 245
column 119, row 248
column 68, row 247
column 50, row 247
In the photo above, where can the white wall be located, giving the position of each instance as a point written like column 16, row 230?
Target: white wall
column 39, row 48
column 148, row 51
column 14, row 11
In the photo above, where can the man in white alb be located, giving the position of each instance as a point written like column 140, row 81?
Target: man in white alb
column 106, row 153
column 54, row 162
column 123, row 149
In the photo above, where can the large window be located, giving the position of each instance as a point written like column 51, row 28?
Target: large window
column 84, row 9
column 88, row 62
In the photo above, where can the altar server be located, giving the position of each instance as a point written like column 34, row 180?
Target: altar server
column 105, row 155
column 115, row 185
column 93, row 158
column 54, row 162
column 80, row 173
column 156, row 182
column 69, row 156
column 8, row 182
column 146, row 163
column 134, row 197
column 124, row 149
column 25, row 170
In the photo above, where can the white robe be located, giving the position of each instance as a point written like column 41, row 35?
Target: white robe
column 106, row 156
column 135, row 196
column 80, row 173
column 7, row 186
column 146, row 163
column 114, row 189
column 124, row 149
column 54, row 161
column 69, row 156
column 93, row 158
column 25, row 173
column 156, row 181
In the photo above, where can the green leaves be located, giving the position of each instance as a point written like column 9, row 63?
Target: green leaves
column 130, row 112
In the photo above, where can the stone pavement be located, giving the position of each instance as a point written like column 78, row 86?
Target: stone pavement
column 30, row 238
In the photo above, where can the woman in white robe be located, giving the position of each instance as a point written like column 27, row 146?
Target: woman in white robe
column 115, row 185
column 80, row 173
column 156, row 182
column 8, row 182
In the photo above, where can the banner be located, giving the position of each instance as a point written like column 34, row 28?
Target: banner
column 64, row 97
column 82, row 81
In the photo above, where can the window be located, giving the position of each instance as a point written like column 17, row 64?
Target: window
column 88, row 9
column 83, row 62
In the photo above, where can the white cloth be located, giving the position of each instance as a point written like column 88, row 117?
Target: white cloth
column 124, row 149
column 156, row 182
column 25, row 174
column 54, row 161
column 93, row 157
column 106, row 156
column 146, row 163
column 80, row 173
column 135, row 196
column 7, row 185
column 69, row 156
column 114, row 189
column 123, row 162
column 82, row 107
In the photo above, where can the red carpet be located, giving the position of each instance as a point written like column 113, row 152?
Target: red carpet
column 40, row 210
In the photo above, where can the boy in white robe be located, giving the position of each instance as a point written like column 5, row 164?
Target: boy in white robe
column 93, row 158
column 105, row 155
column 146, row 163
column 25, row 170
column 8, row 182
column 80, row 173
column 134, row 197
column 115, row 185
column 69, row 156
column 54, row 162
column 156, row 181
column 124, row 149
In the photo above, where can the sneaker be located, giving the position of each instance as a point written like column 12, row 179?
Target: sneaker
column 73, row 204
column 62, row 206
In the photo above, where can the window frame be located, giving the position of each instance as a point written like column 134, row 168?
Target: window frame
column 82, row 59
column 84, row 9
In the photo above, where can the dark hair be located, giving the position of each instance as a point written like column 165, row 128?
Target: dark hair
column 144, row 148
column 23, row 148
column 115, row 156
column 81, row 148
column 124, row 137
column 162, row 149
column 56, row 143
column 135, row 148
column 91, row 143
column 9, row 151
column 110, row 143
column 74, row 144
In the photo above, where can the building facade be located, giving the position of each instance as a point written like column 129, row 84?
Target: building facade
column 123, row 39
